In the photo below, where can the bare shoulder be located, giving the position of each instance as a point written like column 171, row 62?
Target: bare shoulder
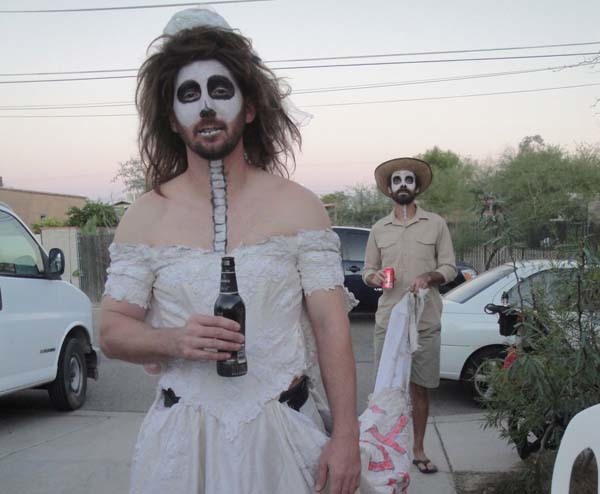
column 299, row 207
column 137, row 222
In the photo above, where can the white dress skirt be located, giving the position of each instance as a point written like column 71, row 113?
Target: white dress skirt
column 183, row 449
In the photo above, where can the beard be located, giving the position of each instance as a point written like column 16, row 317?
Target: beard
column 403, row 197
column 216, row 151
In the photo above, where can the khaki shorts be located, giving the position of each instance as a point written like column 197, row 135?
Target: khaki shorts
column 425, row 369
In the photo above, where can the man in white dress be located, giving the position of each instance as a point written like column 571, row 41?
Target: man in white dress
column 215, row 137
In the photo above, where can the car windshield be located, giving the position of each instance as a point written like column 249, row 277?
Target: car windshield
column 464, row 292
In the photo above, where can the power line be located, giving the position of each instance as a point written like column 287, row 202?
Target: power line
column 71, row 116
column 316, row 59
column 443, row 60
column 431, row 98
column 70, row 79
column 129, row 7
column 445, row 52
column 68, row 106
column 438, row 79
column 67, row 72
column 314, row 90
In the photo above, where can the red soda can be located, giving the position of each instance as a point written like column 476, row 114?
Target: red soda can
column 390, row 276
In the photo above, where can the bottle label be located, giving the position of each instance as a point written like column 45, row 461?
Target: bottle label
column 241, row 355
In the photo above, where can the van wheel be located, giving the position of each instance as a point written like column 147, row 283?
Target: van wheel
column 67, row 391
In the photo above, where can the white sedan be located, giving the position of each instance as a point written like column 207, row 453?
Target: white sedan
column 471, row 340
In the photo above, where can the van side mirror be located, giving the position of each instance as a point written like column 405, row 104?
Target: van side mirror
column 56, row 262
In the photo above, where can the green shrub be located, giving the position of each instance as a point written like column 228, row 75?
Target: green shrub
column 48, row 223
column 557, row 372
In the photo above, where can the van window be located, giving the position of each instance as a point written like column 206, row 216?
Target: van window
column 354, row 243
column 20, row 255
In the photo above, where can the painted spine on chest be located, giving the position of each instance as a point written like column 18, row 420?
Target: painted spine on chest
column 218, row 186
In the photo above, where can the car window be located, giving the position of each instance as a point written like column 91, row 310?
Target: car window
column 469, row 289
column 20, row 255
column 547, row 286
column 354, row 243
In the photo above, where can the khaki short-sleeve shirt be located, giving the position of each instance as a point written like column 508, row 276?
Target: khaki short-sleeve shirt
column 421, row 246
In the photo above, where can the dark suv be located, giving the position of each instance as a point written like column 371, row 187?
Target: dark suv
column 354, row 243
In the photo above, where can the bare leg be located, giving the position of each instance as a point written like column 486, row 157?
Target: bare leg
column 420, row 402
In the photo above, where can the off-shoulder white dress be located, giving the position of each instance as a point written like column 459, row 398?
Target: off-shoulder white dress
column 231, row 435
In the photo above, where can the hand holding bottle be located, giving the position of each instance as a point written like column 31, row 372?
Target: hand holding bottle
column 207, row 337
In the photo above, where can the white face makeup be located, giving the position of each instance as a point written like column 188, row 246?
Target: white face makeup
column 403, row 179
column 206, row 89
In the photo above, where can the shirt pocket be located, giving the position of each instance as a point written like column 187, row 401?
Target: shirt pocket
column 390, row 251
column 425, row 249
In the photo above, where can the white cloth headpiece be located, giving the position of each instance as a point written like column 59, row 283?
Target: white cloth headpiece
column 194, row 17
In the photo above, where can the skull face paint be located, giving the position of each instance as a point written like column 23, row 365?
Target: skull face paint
column 403, row 179
column 208, row 109
column 205, row 89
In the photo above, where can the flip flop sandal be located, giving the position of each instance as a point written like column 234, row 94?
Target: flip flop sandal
column 423, row 467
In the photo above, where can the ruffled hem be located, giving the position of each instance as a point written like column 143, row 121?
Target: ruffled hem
column 182, row 449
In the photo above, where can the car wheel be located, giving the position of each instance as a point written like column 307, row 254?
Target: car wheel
column 477, row 372
column 67, row 391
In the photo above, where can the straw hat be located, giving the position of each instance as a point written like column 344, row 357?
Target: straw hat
column 420, row 168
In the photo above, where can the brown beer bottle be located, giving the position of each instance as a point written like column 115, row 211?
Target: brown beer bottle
column 229, row 304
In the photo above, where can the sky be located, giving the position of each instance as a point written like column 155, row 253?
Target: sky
column 351, row 130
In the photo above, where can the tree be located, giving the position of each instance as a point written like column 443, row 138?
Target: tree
column 452, row 193
column 133, row 175
column 93, row 214
column 360, row 205
column 444, row 160
column 545, row 190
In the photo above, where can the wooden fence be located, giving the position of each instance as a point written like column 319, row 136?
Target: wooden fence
column 93, row 262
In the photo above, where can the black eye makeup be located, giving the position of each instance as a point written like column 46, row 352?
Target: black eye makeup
column 220, row 87
column 396, row 180
column 188, row 92
column 409, row 180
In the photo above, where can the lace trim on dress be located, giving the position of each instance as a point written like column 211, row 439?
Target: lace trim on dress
column 320, row 263
column 320, row 267
column 130, row 275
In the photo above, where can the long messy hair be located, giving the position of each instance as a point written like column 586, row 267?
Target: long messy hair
column 268, row 140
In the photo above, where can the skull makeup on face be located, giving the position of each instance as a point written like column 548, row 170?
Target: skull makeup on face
column 206, row 89
column 403, row 179
column 208, row 107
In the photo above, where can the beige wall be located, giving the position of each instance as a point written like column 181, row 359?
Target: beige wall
column 30, row 205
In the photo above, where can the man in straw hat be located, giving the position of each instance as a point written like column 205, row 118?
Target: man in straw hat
column 215, row 135
column 417, row 245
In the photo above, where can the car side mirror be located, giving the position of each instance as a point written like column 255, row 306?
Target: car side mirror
column 56, row 262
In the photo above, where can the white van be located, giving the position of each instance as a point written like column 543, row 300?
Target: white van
column 45, row 323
